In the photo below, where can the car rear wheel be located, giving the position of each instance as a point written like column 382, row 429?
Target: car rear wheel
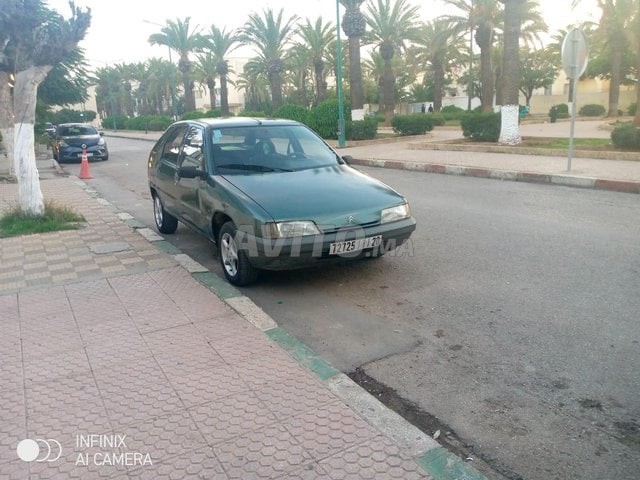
column 234, row 261
column 165, row 222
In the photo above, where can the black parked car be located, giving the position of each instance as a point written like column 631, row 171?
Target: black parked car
column 71, row 138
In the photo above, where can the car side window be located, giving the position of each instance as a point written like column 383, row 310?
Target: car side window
column 171, row 148
column 193, row 149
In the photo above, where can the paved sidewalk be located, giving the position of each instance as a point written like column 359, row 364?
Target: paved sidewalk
column 122, row 358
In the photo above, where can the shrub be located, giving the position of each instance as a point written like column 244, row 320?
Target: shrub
column 324, row 118
column 451, row 112
column 148, row 122
column 633, row 108
column 291, row 111
column 626, row 136
column 559, row 111
column 438, row 119
column 250, row 114
column 119, row 121
column 592, row 110
column 483, row 127
column 413, row 124
column 362, row 129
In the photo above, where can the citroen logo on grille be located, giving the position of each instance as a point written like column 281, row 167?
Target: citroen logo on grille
column 351, row 219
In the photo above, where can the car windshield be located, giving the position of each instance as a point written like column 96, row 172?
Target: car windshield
column 76, row 130
column 263, row 149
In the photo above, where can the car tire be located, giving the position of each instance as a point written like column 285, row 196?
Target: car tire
column 105, row 158
column 165, row 222
column 235, row 262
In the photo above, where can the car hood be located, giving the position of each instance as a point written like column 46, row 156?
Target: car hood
column 77, row 141
column 333, row 197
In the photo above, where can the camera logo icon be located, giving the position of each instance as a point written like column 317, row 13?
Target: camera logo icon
column 39, row 450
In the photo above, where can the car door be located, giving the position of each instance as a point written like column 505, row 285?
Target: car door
column 189, row 190
column 167, row 168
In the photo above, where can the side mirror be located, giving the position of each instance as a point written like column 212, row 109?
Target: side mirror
column 101, row 133
column 347, row 159
column 191, row 172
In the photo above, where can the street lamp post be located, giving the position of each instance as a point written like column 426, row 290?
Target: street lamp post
column 173, row 80
column 341, row 125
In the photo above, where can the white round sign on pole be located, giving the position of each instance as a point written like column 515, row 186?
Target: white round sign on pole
column 575, row 53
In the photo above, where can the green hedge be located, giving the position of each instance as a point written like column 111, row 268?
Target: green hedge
column 362, row 129
column 451, row 112
column 412, row 124
column 559, row 111
column 482, row 127
column 591, row 110
column 215, row 113
column 250, row 114
column 291, row 111
column 119, row 120
column 323, row 119
column 632, row 109
column 626, row 136
column 438, row 119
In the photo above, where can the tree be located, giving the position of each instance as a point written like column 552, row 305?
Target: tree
column 318, row 37
column 391, row 26
column 538, row 69
column 270, row 35
column 179, row 36
column 221, row 43
column 34, row 39
column 509, row 130
column 354, row 25
column 66, row 83
column 205, row 72
column 440, row 41
column 636, row 29
column 480, row 16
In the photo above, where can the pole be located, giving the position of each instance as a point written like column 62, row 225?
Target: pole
column 574, row 82
column 341, row 125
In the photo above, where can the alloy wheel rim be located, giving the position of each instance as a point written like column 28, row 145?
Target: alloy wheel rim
column 229, row 254
column 158, row 211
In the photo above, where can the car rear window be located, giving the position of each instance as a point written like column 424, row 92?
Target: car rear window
column 76, row 130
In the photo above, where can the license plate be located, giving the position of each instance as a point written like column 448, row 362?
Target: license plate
column 89, row 154
column 354, row 245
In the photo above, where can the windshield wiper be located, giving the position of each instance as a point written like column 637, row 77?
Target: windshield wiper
column 255, row 168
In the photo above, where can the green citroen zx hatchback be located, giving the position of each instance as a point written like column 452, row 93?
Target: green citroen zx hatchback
column 272, row 195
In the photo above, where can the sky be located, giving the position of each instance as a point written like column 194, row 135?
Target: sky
column 120, row 28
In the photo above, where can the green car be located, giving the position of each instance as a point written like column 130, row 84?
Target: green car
column 272, row 195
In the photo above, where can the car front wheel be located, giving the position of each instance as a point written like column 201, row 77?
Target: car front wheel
column 165, row 222
column 234, row 261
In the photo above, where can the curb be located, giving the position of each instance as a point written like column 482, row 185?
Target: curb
column 425, row 451
column 511, row 175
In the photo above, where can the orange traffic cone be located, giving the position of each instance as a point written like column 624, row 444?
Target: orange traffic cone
column 84, row 166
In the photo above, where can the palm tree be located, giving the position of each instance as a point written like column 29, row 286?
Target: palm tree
column 391, row 26
column 270, row 35
column 509, row 131
column 318, row 37
column 163, row 76
column 354, row 25
column 479, row 16
column 253, row 80
column 221, row 43
column 178, row 36
column 299, row 65
column 205, row 72
column 440, row 41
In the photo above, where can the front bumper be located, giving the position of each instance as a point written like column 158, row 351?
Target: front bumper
column 299, row 252
column 74, row 154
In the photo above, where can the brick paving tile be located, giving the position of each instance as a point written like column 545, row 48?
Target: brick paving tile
column 13, row 404
column 12, row 431
column 377, row 459
column 200, row 463
column 61, row 394
column 237, row 349
column 227, row 325
column 231, row 416
column 16, row 470
column 311, row 471
column 164, row 437
column 328, row 429
column 292, row 398
column 112, row 380
column 201, row 386
column 55, row 365
column 266, row 453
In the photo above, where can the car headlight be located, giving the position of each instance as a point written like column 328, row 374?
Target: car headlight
column 101, row 142
column 290, row 229
column 62, row 144
column 395, row 213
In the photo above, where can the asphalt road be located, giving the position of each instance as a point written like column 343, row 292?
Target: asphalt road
column 514, row 317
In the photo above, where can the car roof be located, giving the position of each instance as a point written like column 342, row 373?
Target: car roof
column 222, row 122
column 75, row 124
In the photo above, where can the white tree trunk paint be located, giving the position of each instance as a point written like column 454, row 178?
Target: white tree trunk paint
column 509, row 128
column 24, row 104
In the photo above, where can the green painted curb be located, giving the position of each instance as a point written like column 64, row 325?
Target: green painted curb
column 303, row 354
column 217, row 285
column 166, row 247
column 441, row 464
column 133, row 223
